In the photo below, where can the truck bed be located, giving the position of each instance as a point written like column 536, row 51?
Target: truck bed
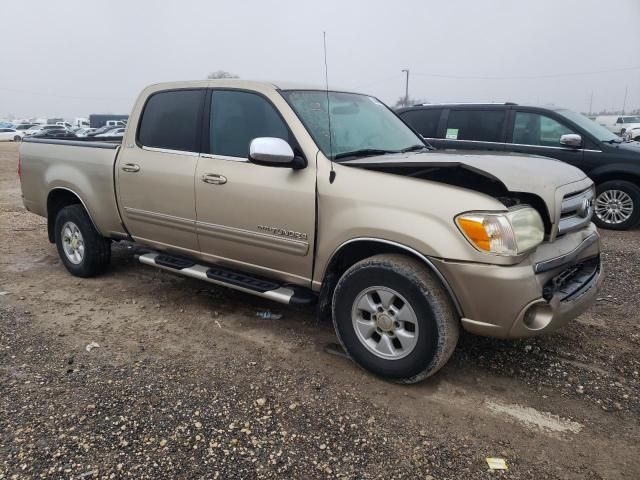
column 83, row 168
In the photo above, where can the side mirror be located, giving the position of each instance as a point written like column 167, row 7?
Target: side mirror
column 274, row 152
column 572, row 140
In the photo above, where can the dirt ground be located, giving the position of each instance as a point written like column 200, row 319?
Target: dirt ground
column 187, row 382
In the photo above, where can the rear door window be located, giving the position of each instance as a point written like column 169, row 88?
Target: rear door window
column 424, row 121
column 536, row 129
column 238, row 117
column 478, row 125
column 171, row 120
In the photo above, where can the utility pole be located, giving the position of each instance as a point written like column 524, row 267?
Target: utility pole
column 624, row 103
column 406, row 88
column 591, row 104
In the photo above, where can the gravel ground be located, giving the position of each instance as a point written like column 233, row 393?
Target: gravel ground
column 188, row 383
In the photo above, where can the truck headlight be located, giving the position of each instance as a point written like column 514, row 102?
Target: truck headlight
column 503, row 233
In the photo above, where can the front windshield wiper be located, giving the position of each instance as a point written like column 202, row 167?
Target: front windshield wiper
column 364, row 152
column 613, row 140
column 413, row 148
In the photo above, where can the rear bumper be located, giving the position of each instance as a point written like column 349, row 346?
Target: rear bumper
column 541, row 294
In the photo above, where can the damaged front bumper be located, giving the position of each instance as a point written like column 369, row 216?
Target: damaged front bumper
column 541, row 294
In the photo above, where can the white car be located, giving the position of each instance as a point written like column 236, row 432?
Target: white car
column 23, row 127
column 116, row 132
column 623, row 125
column 632, row 133
column 10, row 135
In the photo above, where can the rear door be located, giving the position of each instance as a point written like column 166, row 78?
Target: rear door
column 156, row 174
column 473, row 128
column 425, row 121
column 251, row 217
column 539, row 133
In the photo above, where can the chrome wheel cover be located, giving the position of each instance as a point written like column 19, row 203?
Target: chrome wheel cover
column 72, row 243
column 385, row 323
column 614, row 206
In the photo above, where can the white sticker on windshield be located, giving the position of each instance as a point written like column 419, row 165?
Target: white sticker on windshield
column 452, row 134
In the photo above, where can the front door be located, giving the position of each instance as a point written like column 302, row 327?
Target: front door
column 535, row 133
column 156, row 174
column 251, row 217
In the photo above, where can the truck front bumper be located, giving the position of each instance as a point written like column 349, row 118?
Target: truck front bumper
column 541, row 294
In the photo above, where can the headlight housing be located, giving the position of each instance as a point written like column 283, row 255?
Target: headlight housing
column 508, row 233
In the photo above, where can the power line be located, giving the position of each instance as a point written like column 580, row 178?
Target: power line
column 521, row 77
column 374, row 82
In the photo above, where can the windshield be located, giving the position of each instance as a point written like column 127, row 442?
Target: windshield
column 359, row 124
column 598, row 131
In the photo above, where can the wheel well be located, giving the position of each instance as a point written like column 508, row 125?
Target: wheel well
column 57, row 200
column 606, row 177
column 353, row 252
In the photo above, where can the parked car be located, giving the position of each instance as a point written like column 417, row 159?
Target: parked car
column 81, row 131
column 23, row 127
column 59, row 132
column 104, row 129
column 33, row 129
column 622, row 125
column 10, row 135
column 402, row 245
column 115, row 132
column 43, row 128
column 613, row 164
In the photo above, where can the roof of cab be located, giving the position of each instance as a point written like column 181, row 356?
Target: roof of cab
column 239, row 83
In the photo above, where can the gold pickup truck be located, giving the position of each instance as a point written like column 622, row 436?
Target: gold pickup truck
column 303, row 196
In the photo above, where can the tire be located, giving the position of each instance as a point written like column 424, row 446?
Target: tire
column 83, row 251
column 617, row 205
column 17, row 138
column 409, row 283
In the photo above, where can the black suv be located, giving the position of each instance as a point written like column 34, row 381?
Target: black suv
column 612, row 163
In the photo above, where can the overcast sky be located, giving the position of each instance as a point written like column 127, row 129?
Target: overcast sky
column 73, row 58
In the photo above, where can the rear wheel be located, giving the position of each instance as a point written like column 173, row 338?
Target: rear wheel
column 83, row 251
column 617, row 205
column 17, row 138
column 394, row 318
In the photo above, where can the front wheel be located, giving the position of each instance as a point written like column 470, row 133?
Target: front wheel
column 394, row 318
column 83, row 251
column 617, row 205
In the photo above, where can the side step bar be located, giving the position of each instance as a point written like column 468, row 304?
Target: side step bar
column 226, row 277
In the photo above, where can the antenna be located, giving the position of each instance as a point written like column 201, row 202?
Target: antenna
column 332, row 174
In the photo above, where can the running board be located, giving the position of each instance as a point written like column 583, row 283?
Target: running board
column 226, row 277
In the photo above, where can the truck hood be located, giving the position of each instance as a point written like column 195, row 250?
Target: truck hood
column 518, row 173
column 488, row 172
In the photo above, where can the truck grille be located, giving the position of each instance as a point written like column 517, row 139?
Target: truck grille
column 570, row 283
column 576, row 211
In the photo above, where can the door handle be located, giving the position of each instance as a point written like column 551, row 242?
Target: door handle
column 214, row 179
column 131, row 167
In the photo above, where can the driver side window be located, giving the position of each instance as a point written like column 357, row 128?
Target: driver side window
column 536, row 129
column 237, row 118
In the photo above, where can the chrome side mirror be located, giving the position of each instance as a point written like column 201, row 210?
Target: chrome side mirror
column 274, row 152
column 270, row 150
column 572, row 140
